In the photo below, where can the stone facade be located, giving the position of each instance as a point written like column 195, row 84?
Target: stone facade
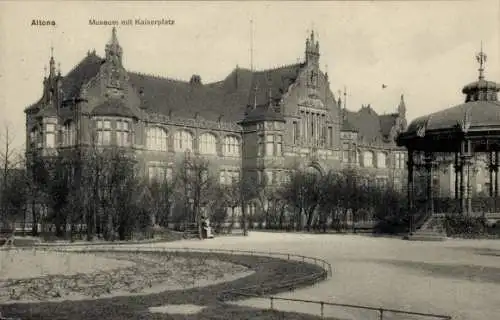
column 267, row 122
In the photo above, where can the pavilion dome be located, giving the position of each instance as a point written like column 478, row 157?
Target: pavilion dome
column 480, row 111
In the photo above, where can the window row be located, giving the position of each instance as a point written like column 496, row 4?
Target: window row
column 122, row 135
column 372, row 159
column 157, row 140
column 105, row 133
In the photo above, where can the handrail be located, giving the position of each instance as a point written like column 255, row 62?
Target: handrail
column 323, row 303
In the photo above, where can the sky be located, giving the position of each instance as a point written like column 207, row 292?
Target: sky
column 422, row 49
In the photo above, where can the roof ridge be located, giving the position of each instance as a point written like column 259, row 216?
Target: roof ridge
column 79, row 64
column 155, row 76
column 284, row 66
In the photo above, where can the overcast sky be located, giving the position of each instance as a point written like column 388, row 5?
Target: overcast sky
column 424, row 50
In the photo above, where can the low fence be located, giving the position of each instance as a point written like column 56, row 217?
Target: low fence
column 382, row 313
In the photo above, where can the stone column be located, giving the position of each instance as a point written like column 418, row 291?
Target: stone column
column 429, row 163
column 410, row 188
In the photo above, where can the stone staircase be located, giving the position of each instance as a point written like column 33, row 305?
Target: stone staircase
column 431, row 230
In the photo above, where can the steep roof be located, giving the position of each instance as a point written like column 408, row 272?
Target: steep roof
column 387, row 121
column 370, row 126
column 228, row 98
column 274, row 82
column 81, row 74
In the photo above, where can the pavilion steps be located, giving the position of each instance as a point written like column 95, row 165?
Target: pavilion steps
column 431, row 230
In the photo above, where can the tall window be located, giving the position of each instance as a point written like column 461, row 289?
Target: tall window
column 103, row 132
column 231, row 146
column 36, row 138
column 269, row 145
column 183, row 141
column 156, row 139
column 69, row 134
column 295, row 132
column 261, row 146
column 381, row 160
column 208, row 144
column 50, row 135
column 368, row 159
column 345, row 152
column 330, row 136
column 123, row 135
column 399, row 162
column 269, row 177
column 279, row 144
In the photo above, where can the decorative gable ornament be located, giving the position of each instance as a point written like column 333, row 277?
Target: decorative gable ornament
column 421, row 130
column 465, row 123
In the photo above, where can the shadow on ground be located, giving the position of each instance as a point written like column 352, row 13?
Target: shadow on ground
column 461, row 272
column 266, row 271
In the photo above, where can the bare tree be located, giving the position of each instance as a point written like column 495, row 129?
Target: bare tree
column 9, row 161
column 303, row 193
column 197, row 184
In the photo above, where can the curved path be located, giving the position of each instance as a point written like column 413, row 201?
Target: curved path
column 456, row 277
column 266, row 270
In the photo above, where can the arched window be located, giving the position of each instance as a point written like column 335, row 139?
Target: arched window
column 381, row 160
column 69, row 134
column 183, row 140
column 231, row 146
column 156, row 139
column 368, row 159
column 208, row 144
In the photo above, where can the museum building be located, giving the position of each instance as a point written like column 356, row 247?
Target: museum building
column 266, row 122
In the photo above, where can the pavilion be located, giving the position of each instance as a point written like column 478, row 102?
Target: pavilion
column 457, row 135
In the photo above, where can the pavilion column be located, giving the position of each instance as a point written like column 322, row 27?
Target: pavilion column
column 458, row 169
column 493, row 174
column 466, row 187
column 429, row 163
column 410, row 187
column 495, row 168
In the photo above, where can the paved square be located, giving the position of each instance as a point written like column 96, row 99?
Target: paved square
column 456, row 277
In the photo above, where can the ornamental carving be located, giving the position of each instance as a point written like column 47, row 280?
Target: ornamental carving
column 465, row 123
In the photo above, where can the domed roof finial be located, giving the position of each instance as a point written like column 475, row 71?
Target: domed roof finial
column 481, row 59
